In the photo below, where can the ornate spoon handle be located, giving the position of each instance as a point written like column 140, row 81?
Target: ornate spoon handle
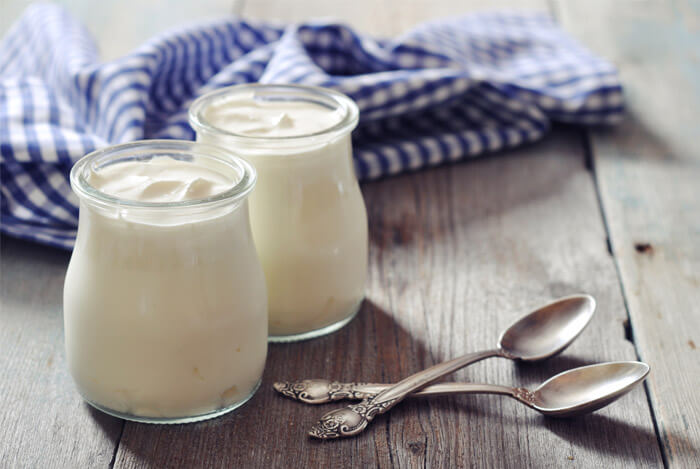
column 319, row 391
column 352, row 419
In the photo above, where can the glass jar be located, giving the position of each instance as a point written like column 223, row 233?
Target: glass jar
column 165, row 305
column 307, row 213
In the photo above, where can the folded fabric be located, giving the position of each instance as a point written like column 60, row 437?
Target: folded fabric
column 445, row 91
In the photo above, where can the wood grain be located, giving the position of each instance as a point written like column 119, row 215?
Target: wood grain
column 456, row 254
column 119, row 26
column 43, row 420
column 648, row 171
column 384, row 18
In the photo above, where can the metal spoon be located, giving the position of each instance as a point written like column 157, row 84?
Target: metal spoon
column 572, row 392
column 538, row 335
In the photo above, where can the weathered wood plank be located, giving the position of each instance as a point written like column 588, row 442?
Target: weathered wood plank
column 648, row 171
column 444, row 242
column 43, row 420
column 456, row 253
column 137, row 20
column 384, row 18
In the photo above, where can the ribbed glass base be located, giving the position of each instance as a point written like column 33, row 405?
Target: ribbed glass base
column 325, row 330
column 174, row 420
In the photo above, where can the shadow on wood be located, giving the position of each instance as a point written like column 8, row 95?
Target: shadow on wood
column 621, row 438
column 271, row 429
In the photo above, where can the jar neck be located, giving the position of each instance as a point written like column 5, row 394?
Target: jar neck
column 157, row 217
column 328, row 159
column 121, row 238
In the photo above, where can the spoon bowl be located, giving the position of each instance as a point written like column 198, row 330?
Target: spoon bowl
column 548, row 330
column 568, row 394
column 541, row 334
column 588, row 388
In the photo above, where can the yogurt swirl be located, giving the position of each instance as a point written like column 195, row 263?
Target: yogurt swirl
column 252, row 117
column 160, row 179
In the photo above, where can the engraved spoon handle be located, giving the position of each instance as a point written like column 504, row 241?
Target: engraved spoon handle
column 353, row 419
column 442, row 389
column 391, row 396
column 321, row 391
column 445, row 389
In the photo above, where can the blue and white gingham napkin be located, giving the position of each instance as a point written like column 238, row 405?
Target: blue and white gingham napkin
column 445, row 91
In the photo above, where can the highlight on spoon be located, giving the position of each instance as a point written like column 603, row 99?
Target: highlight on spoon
column 588, row 388
column 548, row 330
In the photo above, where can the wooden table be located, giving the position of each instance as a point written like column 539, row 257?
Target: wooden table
column 456, row 253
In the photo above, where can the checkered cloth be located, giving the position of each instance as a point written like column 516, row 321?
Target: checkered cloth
column 445, row 91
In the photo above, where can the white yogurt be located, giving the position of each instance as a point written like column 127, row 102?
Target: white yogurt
column 164, row 306
column 160, row 179
column 307, row 213
column 251, row 117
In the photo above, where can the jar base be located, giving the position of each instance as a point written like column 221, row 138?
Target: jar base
column 176, row 420
column 325, row 330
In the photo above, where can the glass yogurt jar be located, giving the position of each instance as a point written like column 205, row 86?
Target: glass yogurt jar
column 165, row 306
column 307, row 213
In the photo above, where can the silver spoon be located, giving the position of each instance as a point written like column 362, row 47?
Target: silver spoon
column 572, row 392
column 536, row 336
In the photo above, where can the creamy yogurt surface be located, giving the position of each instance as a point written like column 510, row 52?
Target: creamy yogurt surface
column 160, row 179
column 246, row 115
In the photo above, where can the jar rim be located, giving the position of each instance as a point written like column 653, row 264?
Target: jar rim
column 153, row 148
column 344, row 102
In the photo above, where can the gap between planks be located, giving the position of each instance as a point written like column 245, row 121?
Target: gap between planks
column 587, row 146
column 116, row 446
column 629, row 327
